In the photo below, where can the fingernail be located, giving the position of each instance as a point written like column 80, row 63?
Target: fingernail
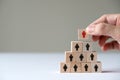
column 90, row 29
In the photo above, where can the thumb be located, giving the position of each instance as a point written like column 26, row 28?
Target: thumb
column 104, row 29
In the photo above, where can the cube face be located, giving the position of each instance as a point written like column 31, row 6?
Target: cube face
column 96, row 67
column 64, row 67
column 70, row 57
column 76, row 46
column 91, row 56
column 86, row 67
column 76, row 67
column 82, row 34
column 87, row 46
column 81, row 57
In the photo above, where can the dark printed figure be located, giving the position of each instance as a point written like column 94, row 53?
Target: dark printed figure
column 96, row 68
column 92, row 57
column 83, row 34
column 76, row 47
column 71, row 57
column 65, row 67
column 86, row 67
column 75, row 67
column 87, row 47
column 81, row 57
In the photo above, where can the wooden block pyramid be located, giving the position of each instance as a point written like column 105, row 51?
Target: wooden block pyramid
column 81, row 58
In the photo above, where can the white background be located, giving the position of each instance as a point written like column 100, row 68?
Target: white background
column 45, row 66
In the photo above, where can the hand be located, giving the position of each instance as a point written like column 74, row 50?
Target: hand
column 104, row 28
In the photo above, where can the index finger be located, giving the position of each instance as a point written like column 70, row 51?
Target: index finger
column 108, row 18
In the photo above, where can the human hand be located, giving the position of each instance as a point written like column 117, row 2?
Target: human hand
column 104, row 28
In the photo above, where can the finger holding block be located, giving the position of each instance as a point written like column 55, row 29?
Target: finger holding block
column 81, row 58
column 76, row 46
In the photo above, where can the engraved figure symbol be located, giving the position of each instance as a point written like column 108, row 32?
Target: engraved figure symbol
column 81, row 57
column 92, row 57
column 87, row 47
column 71, row 57
column 76, row 47
column 96, row 68
column 65, row 67
column 75, row 67
column 86, row 67
column 83, row 34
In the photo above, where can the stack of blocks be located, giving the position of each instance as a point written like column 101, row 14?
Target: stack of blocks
column 81, row 58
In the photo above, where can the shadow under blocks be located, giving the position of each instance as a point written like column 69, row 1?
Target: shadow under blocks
column 81, row 58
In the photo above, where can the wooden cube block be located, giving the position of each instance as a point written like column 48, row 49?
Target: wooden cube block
column 87, row 46
column 86, row 67
column 96, row 67
column 82, row 35
column 64, row 67
column 76, row 67
column 70, row 57
column 76, row 46
column 81, row 57
column 91, row 56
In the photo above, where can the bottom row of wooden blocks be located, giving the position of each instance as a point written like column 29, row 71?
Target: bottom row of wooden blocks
column 83, row 67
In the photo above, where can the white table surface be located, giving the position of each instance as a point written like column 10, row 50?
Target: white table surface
column 45, row 66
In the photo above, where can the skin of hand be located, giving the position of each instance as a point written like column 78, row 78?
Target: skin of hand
column 104, row 28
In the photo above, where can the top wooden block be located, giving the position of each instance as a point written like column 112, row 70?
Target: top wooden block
column 82, row 35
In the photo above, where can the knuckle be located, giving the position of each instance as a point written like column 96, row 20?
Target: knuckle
column 100, row 28
column 101, row 25
column 105, row 15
